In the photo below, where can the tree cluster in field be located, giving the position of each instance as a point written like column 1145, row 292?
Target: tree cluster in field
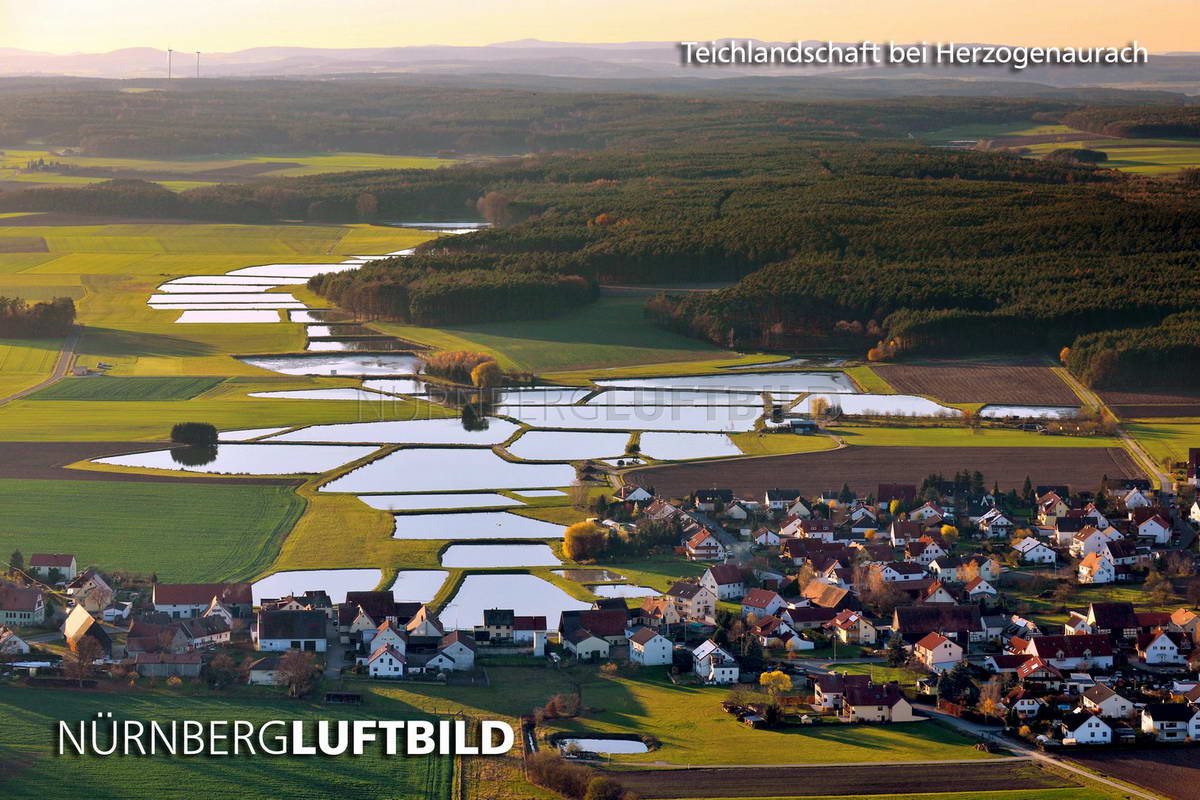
column 20, row 319
column 1130, row 358
column 574, row 781
column 1140, row 122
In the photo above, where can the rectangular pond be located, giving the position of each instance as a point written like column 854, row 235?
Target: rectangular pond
column 526, row 595
column 213, row 288
column 447, row 470
column 229, row 298
column 247, row 433
column 675, row 397
column 499, row 555
column 237, row 317
column 334, row 582
column 567, row 445
column 354, row 345
column 1029, row 412
column 344, row 393
column 429, row 502
column 752, row 381
column 245, row 459
column 892, row 405
column 473, row 525
column 234, row 280
column 338, row 365
column 670, row 418
column 622, row 590
column 294, row 270
column 319, row 315
column 603, row 745
column 396, row 385
column 540, row 395
column 226, row 306
column 339, row 329
column 679, row 446
column 409, row 431
column 418, row 585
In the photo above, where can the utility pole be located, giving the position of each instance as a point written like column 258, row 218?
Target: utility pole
column 170, row 54
column 197, row 63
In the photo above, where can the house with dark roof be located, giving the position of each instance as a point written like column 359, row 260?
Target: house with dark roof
column 1171, row 722
column 1102, row 700
column 291, row 630
column 1080, row 651
column 20, row 606
column 1117, row 620
column 693, row 602
column 829, row 690
column 876, row 702
column 183, row 600
column 48, row 565
column 650, row 648
column 962, row 624
column 761, row 603
column 725, row 581
column 711, row 499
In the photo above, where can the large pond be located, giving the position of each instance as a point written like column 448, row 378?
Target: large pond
column 232, row 298
column 526, row 595
column 541, row 395
column 409, row 431
column 430, row 502
column 541, row 493
column 245, row 459
column 346, row 393
column 623, row 590
column 671, row 446
column 473, row 525
column 671, row 418
column 294, row 270
column 396, row 385
column 448, row 470
column 226, row 306
column 900, row 405
column 335, row 582
column 237, row 317
column 805, row 361
column 338, row 365
column 753, row 381
column 1029, row 412
column 679, row 397
column 499, row 555
column 247, row 433
column 378, row 345
column 588, row 574
column 418, row 585
column 210, row 280
column 568, row 445
column 603, row 745
column 212, row 288
column 339, row 329
column 319, row 314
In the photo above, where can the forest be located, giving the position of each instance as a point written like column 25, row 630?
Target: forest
column 1142, row 122
column 20, row 320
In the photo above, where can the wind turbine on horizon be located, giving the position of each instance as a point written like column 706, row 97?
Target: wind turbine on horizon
column 197, row 63
column 170, row 53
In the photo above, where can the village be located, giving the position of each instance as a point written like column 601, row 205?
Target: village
column 943, row 599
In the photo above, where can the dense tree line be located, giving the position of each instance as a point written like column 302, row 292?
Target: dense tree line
column 21, row 320
column 1131, row 358
column 1141, row 122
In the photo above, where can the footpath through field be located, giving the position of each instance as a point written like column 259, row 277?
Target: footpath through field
column 65, row 357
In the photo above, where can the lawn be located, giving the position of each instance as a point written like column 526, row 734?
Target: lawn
column 26, row 362
column 918, row 436
column 126, row 389
column 773, row 444
column 183, row 532
column 879, row 672
column 31, row 770
column 610, row 332
column 1165, row 440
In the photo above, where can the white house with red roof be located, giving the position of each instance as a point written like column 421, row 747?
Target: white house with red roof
column 725, row 581
column 1155, row 529
column 937, row 652
column 704, row 545
column 930, row 512
column 650, row 648
column 761, row 603
column 386, row 662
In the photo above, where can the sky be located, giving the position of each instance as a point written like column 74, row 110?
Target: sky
column 66, row 26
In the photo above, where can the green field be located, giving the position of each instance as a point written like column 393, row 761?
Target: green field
column 1165, row 440
column 899, row 436
column 608, row 333
column 105, row 388
column 183, row 532
column 29, row 768
column 26, row 362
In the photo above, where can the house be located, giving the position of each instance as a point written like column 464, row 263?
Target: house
column 609, row 624
column 765, row 537
column 822, row 529
column 165, row 665
column 265, row 672
column 692, row 601
column 761, row 603
column 1186, row 621
column 1022, row 702
column 389, row 634
column 11, row 644
column 725, row 581
column 928, row 513
column 1122, row 552
column 1081, row 651
column 276, row 631
column 899, row 571
column 806, row 617
column 386, row 662
column 714, row 664
column 937, row 652
column 1088, row 539
column 650, row 648
column 183, row 600
column 205, row 631
column 712, row 499
column 704, row 545
column 1116, row 620
column 906, row 493
column 91, row 591
column 1135, row 498
column 923, row 551
column 786, row 501
column 995, row 524
column 1104, row 701
column 1036, row 672
column 455, row 651
column 980, row 590
column 876, row 703
column 903, row 532
column 527, row 630
column 1081, row 726
column 851, row 627
column 963, row 624
column 658, row 613
column 835, row 598
column 1032, row 551
column 772, row 632
column 53, row 567
column 633, row 494
column 1163, row 647
column 936, row 593
column 1097, row 568
column 20, row 606
column 80, row 625
column 1171, row 722
column 1155, row 529
column 829, row 690
column 498, row 624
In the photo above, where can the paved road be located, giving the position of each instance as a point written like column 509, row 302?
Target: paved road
column 1131, row 444
column 65, row 357
column 990, row 733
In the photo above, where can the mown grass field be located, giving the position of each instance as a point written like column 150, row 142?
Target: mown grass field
column 26, row 362
column 28, row 738
column 182, row 532
column 917, row 436
column 1164, row 440
column 126, row 389
column 608, row 333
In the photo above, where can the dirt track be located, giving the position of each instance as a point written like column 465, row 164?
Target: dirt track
column 837, row 781
column 864, row 468
column 46, row 461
